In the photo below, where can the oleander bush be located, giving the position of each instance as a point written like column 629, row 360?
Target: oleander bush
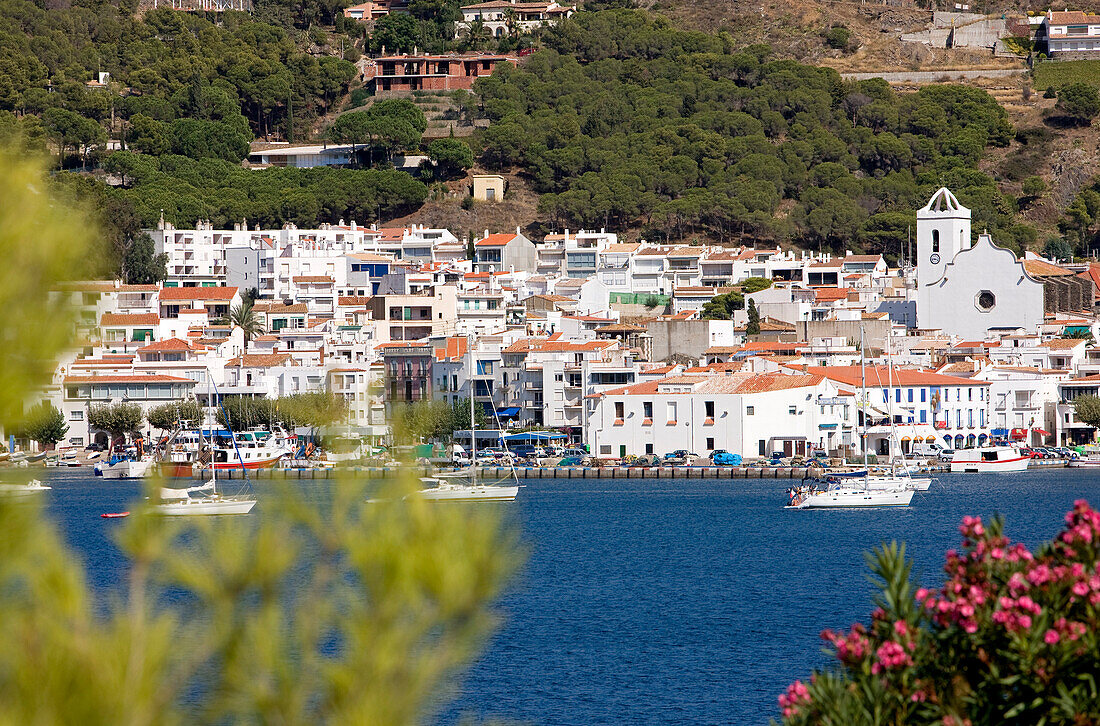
column 1010, row 638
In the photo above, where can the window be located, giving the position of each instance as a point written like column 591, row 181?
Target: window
column 710, row 443
column 910, row 395
column 792, row 410
column 763, row 447
column 671, row 413
column 649, row 448
column 620, row 412
column 923, row 392
column 708, row 407
column 750, row 410
column 935, row 240
column 77, row 415
column 985, row 301
column 923, row 416
column 897, row 395
column 970, row 394
column 558, row 377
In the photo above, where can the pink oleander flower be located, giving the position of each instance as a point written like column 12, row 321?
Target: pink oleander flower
column 797, row 694
column 1051, row 637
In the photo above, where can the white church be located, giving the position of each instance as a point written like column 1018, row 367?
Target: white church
column 968, row 289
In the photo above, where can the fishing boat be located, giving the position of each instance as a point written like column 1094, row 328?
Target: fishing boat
column 1089, row 458
column 251, row 449
column 123, row 466
column 989, row 460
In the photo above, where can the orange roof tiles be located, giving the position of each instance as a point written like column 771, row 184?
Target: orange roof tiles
column 197, row 293
column 172, row 344
column 261, row 360
column 129, row 319
column 495, row 240
column 879, row 376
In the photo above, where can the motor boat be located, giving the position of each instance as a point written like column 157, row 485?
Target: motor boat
column 123, row 467
column 22, row 490
column 988, row 460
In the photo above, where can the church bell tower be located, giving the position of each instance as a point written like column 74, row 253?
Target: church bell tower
column 943, row 230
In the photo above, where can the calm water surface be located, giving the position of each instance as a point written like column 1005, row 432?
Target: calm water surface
column 678, row 602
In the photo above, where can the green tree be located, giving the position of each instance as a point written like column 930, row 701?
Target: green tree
column 721, row 307
column 245, row 317
column 395, row 33
column 117, row 419
column 451, row 157
column 1058, row 249
column 754, row 284
column 141, row 265
column 338, row 610
column 200, row 139
column 1033, row 186
column 168, row 416
column 148, row 135
column 1086, row 409
column 1079, row 102
column 753, row 327
column 45, row 424
column 460, row 417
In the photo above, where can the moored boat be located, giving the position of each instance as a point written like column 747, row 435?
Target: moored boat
column 988, row 460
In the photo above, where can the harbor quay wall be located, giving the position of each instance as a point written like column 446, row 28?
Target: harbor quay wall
column 584, row 472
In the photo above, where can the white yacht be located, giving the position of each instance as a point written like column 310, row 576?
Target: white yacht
column 179, row 502
column 441, row 489
column 123, row 468
column 845, row 494
column 988, row 460
column 22, row 490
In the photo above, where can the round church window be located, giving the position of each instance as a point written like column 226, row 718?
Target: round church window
column 986, row 301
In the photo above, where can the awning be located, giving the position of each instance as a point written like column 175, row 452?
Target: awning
column 509, row 412
column 1041, row 432
column 940, row 424
column 999, row 432
column 1019, row 433
column 533, row 436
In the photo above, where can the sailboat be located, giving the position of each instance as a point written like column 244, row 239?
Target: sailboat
column 857, row 491
column 179, row 502
column 463, row 485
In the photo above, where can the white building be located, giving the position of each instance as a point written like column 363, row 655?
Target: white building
column 968, row 290
column 750, row 414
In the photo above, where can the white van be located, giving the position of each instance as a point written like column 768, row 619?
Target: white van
column 459, row 456
column 934, row 450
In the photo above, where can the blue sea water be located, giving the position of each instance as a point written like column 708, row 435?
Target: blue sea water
column 671, row 602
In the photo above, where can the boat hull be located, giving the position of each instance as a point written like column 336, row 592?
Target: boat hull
column 1084, row 464
column 849, row 498
column 124, row 469
column 251, row 465
column 473, row 494
column 193, row 507
column 172, row 470
column 990, row 467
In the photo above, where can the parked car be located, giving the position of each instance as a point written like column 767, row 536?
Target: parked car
column 1028, row 451
column 526, row 451
column 575, row 452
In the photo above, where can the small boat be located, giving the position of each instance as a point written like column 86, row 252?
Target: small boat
column 73, row 463
column 21, row 490
column 988, row 460
column 1089, row 458
column 123, row 467
column 93, row 456
column 37, row 457
column 115, row 515
column 443, row 489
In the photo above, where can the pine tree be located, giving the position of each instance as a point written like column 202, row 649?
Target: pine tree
column 753, row 328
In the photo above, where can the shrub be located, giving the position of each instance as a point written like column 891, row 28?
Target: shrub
column 838, row 37
column 1011, row 637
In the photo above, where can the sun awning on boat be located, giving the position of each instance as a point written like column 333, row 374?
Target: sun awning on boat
column 534, row 436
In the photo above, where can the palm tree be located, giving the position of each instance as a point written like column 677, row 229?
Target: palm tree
column 247, row 319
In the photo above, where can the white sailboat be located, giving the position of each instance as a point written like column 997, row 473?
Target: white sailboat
column 179, row 502
column 463, row 485
column 889, row 490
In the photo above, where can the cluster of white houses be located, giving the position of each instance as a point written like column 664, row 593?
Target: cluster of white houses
column 606, row 340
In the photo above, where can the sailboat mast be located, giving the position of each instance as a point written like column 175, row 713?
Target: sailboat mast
column 473, row 421
column 213, row 468
column 863, row 393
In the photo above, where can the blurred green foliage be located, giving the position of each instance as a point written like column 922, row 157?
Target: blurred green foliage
column 324, row 608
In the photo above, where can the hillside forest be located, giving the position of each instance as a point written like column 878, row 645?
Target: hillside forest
column 617, row 119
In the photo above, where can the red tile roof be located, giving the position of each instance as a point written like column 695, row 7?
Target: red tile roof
column 166, row 345
column 129, row 319
column 197, row 293
column 261, row 360
column 495, row 240
column 879, row 376
column 453, row 349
